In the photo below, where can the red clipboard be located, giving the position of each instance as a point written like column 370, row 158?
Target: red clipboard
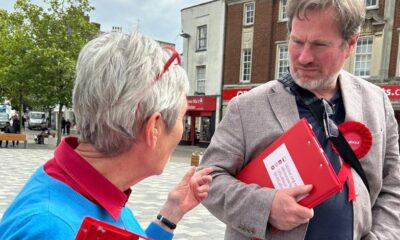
column 95, row 229
column 299, row 148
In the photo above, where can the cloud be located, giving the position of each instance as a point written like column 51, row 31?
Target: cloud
column 159, row 19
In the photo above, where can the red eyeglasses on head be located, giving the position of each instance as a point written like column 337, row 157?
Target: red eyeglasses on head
column 174, row 56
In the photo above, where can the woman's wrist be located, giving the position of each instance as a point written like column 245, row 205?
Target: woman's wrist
column 171, row 212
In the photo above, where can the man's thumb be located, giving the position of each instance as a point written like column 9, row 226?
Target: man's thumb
column 299, row 190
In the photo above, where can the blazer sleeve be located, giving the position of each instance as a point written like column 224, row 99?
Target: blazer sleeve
column 245, row 208
column 386, row 209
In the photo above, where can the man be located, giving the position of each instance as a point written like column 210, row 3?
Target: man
column 16, row 127
column 322, row 35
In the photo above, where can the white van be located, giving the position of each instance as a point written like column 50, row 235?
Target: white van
column 36, row 119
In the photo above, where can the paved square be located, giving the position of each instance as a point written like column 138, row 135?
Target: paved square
column 145, row 201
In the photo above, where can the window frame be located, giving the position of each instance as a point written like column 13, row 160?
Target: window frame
column 245, row 11
column 245, row 69
column 372, row 6
column 201, row 39
column 366, row 57
column 282, row 11
column 203, row 80
column 279, row 60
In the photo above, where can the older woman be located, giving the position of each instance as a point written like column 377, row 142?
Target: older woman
column 129, row 100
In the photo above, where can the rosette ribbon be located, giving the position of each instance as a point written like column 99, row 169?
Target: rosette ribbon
column 360, row 140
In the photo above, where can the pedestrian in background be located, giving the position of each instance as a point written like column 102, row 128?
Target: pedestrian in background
column 63, row 125
column 68, row 126
column 139, row 91
column 16, row 126
column 322, row 35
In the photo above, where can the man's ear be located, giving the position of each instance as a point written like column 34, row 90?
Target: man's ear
column 352, row 43
column 152, row 129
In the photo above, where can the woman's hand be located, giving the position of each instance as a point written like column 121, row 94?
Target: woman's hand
column 187, row 194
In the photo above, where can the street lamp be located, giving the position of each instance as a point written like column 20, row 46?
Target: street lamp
column 186, row 36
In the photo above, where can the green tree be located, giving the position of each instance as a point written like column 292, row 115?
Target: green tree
column 43, row 46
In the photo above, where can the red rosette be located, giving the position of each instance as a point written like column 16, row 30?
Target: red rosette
column 358, row 136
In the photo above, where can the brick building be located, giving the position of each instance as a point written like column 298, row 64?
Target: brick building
column 255, row 49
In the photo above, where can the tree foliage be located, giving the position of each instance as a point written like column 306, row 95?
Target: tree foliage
column 39, row 48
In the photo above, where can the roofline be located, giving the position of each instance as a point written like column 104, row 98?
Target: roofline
column 199, row 4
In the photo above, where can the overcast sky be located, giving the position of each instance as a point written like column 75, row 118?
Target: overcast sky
column 159, row 19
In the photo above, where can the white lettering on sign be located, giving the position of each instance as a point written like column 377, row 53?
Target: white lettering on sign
column 392, row 92
column 196, row 100
column 240, row 92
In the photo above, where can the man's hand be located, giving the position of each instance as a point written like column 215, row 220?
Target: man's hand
column 187, row 194
column 286, row 213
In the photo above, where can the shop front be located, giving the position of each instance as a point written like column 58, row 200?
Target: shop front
column 229, row 93
column 393, row 92
column 199, row 121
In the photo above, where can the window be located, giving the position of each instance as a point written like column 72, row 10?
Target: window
column 282, row 60
column 371, row 3
column 246, row 65
column 363, row 56
column 248, row 13
column 202, row 37
column 201, row 79
column 282, row 10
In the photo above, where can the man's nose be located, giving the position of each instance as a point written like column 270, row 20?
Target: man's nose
column 306, row 55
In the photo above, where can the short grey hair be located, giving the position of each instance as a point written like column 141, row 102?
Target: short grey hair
column 116, row 89
column 350, row 14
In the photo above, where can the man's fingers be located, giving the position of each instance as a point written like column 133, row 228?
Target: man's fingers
column 304, row 212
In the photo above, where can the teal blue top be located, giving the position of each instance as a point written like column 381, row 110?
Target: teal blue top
column 43, row 210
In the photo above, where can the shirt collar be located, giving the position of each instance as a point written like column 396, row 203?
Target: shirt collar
column 80, row 173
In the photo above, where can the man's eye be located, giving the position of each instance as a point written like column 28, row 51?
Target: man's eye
column 320, row 45
column 297, row 42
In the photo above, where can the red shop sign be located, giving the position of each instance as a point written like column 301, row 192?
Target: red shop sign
column 201, row 103
column 393, row 91
column 230, row 93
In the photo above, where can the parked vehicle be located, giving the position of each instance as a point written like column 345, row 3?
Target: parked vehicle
column 4, row 118
column 36, row 120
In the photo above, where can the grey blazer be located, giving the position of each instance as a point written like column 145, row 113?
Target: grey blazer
column 255, row 119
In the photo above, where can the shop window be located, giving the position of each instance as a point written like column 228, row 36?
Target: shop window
column 205, row 131
column 186, row 130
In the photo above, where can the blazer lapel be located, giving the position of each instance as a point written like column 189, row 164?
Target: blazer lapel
column 351, row 95
column 284, row 106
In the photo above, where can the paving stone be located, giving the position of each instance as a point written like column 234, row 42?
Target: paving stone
column 145, row 201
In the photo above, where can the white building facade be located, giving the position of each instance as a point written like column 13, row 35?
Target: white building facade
column 203, row 44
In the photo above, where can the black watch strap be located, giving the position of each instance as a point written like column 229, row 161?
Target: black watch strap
column 166, row 221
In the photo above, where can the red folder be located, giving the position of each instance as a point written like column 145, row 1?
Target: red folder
column 94, row 229
column 295, row 158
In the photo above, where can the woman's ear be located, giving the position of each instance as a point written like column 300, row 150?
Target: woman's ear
column 152, row 129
